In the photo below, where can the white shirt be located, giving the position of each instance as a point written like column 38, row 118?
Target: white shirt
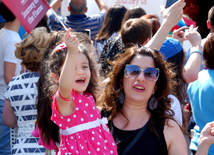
column 176, row 107
column 8, row 39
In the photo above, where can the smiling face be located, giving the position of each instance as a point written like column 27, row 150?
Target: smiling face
column 82, row 73
column 139, row 89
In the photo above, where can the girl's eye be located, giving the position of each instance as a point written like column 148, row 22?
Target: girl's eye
column 85, row 67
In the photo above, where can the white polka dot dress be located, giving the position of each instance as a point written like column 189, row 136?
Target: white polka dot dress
column 91, row 140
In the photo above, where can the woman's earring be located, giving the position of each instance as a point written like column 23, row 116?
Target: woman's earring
column 121, row 97
column 153, row 103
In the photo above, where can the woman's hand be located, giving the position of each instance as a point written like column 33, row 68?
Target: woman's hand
column 193, row 36
column 174, row 13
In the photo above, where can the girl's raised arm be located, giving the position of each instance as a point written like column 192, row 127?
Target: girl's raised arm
column 67, row 75
column 171, row 16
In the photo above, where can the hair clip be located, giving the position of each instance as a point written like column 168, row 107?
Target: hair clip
column 60, row 47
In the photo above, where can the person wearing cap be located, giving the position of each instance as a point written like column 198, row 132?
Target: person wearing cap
column 192, row 67
column 173, row 53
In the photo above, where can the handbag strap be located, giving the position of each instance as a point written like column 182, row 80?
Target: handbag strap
column 139, row 134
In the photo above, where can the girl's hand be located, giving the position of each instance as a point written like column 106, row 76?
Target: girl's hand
column 71, row 42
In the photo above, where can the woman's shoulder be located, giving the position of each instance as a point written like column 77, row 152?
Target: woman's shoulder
column 170, row 124
column 174, row 136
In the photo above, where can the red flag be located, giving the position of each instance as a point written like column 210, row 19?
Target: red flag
column 28, row 12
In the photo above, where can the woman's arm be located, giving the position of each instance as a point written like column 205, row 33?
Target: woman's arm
column 9, row 71
column 55, row 5
column 171, row 16
column 102, row 5
column 175, row 140
column 9, row 116
column 192, row 67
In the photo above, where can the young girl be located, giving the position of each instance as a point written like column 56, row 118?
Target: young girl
column 82, row 130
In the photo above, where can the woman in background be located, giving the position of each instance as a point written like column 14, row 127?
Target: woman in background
column 111, row 26
column 201, row 92
column 20, row 97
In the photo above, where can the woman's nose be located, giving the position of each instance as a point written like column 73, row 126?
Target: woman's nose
column 141, row 76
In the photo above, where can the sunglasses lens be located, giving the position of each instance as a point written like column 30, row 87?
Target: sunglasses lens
column 151, row 73
column 132, row 71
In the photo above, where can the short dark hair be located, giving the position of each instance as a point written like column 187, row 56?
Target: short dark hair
column 6, row 13
column 208, row 52
column 135, row 31
column 211, row 16
column 154, row 20
column 133, row 12
column 77, row 8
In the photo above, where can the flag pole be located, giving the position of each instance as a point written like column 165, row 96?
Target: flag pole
column 59, row 19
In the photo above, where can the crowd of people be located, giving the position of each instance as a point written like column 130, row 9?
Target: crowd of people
column 121, row 89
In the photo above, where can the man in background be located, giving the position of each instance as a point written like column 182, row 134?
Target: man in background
column 77, row 20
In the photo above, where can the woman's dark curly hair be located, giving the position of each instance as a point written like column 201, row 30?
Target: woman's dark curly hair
column 109, row 99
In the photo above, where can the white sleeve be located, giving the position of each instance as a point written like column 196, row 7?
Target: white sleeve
column 9, row 55
column 176, row 107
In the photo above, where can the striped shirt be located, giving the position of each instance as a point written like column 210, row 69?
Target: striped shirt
column 22, row 94
column 77, row 22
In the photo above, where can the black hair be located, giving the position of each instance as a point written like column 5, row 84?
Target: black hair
column 6, row 13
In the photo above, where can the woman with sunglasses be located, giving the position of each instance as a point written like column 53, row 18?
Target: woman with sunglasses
column 136, row 101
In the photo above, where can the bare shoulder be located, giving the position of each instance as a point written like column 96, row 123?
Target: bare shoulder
column 174, row 138
column 170, row 124
column 171, row 128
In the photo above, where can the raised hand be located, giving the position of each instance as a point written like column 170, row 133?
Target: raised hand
column 193, row 36
column 206, row 139
column 71, row 42
column 174, row 13
column 179, row 34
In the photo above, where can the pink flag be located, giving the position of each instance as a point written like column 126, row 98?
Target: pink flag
column 28, row 12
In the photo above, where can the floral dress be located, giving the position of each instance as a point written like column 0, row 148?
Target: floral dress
column 83, row 132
